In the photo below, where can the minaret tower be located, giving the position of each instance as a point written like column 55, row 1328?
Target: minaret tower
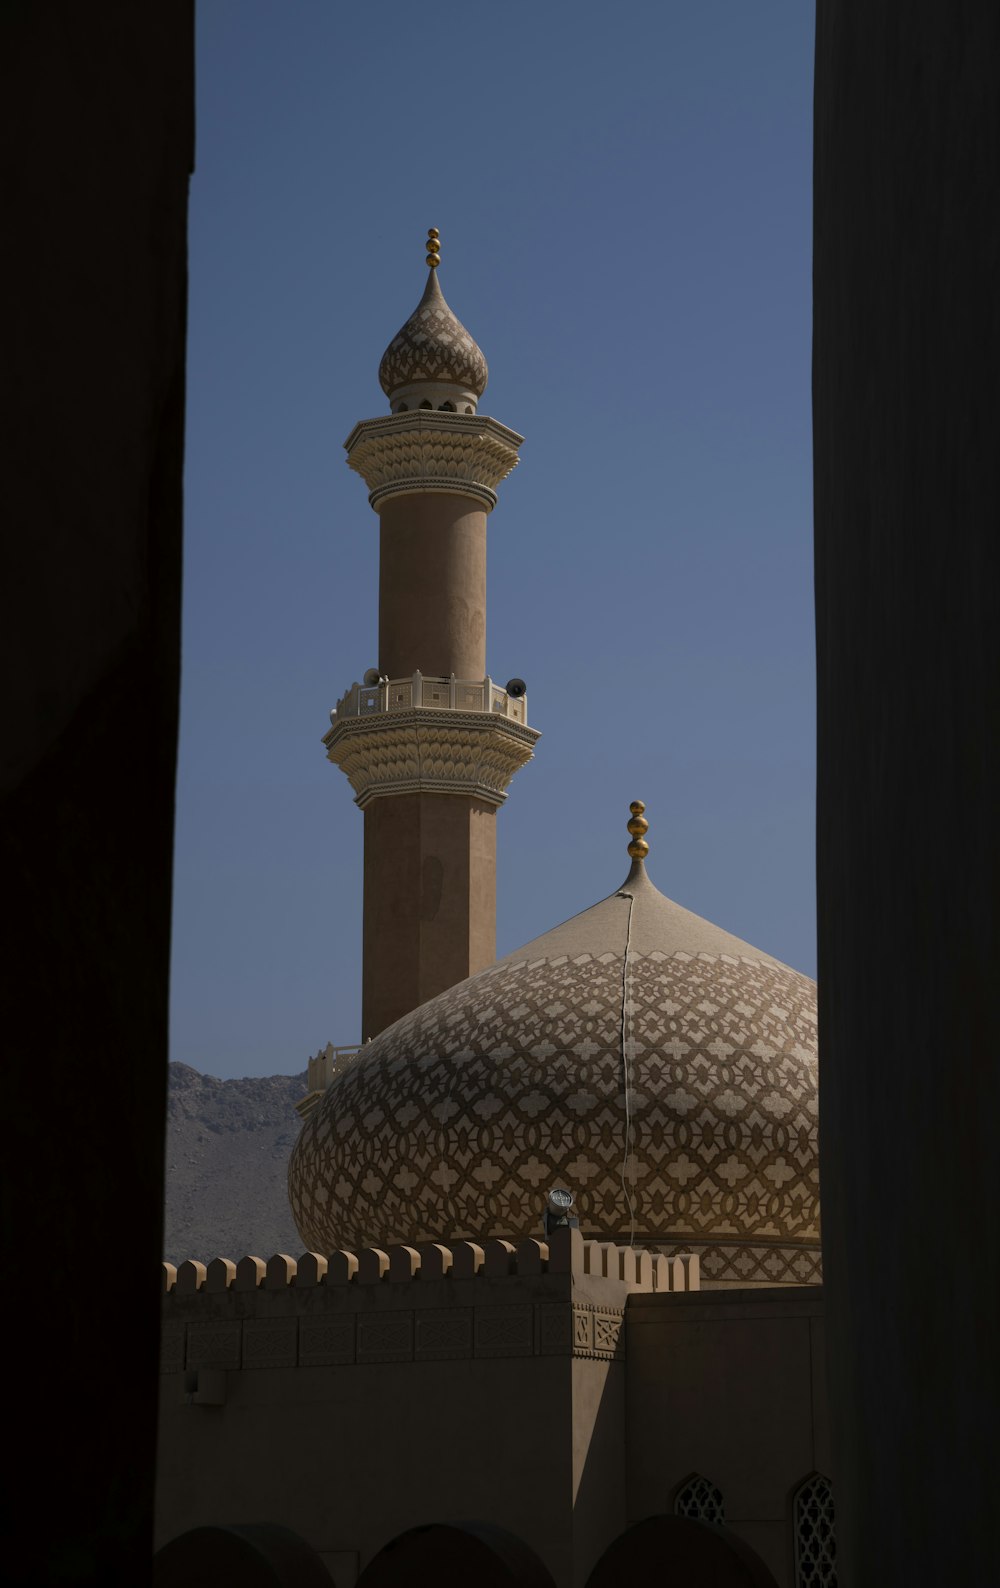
column 428, row 741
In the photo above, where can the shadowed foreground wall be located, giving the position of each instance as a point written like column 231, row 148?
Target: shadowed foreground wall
column 907, row 495
column 558, row 1390
column 97, row 148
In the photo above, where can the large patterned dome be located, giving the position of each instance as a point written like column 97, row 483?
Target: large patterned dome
column 633, row 1020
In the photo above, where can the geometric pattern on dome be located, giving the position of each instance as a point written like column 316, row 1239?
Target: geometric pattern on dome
column 698, row 1497
column 433, row 345
column 747, row 1264
column 815, row 1534
column 454, row 1122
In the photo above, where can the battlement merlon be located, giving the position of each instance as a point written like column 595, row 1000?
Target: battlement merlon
column 566, row 1256
column 461, row 1299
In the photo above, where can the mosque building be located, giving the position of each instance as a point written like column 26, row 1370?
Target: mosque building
column 558, row 1319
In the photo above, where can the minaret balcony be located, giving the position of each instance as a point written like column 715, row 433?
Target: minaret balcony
column 430, row 694
column 431, row 735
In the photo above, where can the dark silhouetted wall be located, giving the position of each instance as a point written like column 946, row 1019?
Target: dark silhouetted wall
column 906, row 389
column 97, row 141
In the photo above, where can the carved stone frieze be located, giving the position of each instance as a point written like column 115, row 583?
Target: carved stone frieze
column 599, row 1332
column 424, row 751
column 431, row 451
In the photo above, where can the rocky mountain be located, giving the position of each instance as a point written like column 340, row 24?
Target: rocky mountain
column 228, row 1144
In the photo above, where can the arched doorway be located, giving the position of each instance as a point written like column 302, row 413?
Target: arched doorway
column 254, row 1556
column 455, row 1555
column 679, row 1552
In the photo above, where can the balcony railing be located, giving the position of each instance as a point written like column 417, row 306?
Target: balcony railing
column 420, row 692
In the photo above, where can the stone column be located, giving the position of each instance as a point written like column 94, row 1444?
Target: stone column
column 98, row 134
column 430, row 749
column 432, row 586
column 906, row 404
column 430, row 899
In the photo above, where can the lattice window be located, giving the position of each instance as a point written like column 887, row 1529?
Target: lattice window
column 699, row 1497
column 815, row 1534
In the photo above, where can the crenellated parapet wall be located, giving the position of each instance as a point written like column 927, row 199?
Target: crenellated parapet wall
column 565, row 1297
column 566, row 1255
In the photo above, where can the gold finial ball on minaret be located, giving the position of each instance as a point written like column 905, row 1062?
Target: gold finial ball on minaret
column 638, row 827
column 433, row 247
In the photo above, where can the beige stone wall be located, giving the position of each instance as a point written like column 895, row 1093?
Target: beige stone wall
column 731, row 1385
column 599, row 1500
column 395, row 1389
column 349, row 1457
column 559, row 1391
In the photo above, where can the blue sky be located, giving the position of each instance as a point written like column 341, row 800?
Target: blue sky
column 623, row 196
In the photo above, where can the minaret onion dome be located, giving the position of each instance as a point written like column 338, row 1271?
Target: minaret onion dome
column 432, row 361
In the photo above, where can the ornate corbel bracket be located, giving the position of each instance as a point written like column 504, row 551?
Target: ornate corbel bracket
column 400, row 454
column 426, row 751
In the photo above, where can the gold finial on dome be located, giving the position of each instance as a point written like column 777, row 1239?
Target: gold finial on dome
column 638, row 827
column 433, row 247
